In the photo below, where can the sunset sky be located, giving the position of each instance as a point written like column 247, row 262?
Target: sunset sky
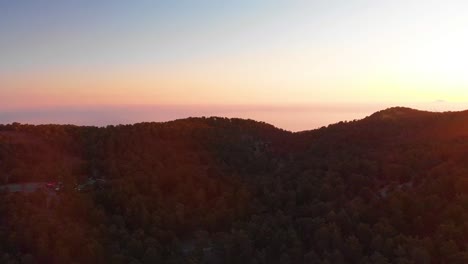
column 295, row 64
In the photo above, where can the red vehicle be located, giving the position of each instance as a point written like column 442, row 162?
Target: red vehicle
column 55, row 186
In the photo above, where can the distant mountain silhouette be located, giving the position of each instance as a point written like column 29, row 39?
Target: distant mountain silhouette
column 400, row 112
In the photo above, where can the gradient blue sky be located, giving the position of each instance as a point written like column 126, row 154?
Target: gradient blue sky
column 296, row 64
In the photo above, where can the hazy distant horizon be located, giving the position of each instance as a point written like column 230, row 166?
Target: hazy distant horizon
column 297, row 117
column 295, row 64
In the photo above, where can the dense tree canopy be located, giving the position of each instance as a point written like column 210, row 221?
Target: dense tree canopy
column 391, row 188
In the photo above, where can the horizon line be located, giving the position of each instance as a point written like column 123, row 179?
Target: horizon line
column 103, row 125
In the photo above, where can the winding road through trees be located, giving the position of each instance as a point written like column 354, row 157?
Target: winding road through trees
column 28, row 187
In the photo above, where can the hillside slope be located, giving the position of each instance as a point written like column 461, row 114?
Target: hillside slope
column 391, row 188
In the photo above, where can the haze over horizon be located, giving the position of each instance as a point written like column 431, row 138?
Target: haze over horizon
column 295, row 64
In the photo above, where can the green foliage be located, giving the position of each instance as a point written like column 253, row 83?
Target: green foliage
column 391, row 188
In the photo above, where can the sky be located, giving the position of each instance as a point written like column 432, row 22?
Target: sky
column 296, row 64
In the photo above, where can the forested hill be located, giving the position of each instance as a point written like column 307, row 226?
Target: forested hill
column 390, row 188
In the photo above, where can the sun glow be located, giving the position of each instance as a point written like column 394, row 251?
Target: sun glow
column 307, row 53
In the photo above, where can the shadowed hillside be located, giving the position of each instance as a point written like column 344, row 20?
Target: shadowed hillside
column 391, row 188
